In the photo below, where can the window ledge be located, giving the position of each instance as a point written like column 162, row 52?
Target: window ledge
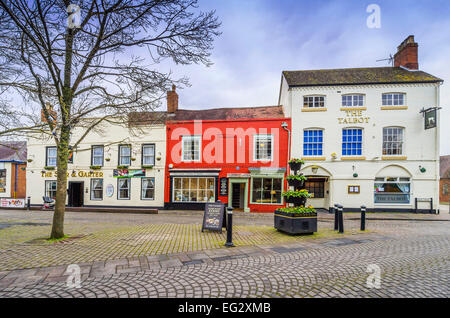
column 317, row 109
column 353, row 158
column 354, row 108
column 393, row 107
column 314, row 158
column 394, row 158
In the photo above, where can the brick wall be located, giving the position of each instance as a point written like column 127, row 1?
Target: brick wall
column 444, row 183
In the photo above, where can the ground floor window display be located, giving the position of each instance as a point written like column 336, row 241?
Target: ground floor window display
column 2, row 180
column 123, row 186
column 50, row 188
column 193, row 189
column 148, row 188
column 96, row 189
column 392, row 190
column 267, row 190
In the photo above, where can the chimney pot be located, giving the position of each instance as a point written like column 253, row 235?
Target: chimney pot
column 407, row 54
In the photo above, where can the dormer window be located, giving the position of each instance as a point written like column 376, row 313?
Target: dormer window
column 313, row 101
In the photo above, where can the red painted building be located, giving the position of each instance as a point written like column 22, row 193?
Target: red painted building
column 235, row 155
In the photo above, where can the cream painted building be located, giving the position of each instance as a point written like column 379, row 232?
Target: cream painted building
column 362, row 136
column 112, row 167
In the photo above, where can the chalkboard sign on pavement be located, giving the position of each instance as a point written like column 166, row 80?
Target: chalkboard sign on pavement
column 213, row 217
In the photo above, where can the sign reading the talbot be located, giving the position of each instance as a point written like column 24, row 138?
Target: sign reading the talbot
column 354, row 117
column 81, row 174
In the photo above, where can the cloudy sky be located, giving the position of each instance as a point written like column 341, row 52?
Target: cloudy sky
column 263, row 37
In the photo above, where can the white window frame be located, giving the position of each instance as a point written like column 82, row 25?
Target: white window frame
column 142, row 189
column 255, row 140
column 392, row 98
column 197, row 189
column 314, row 101
column 118, row 188
column 252, row 199
column 46, row 187
column 92, row 190
column 97, row 156
column 149, row 156
column 120, row 155
column 353, row 100
column 398, row 180
column 402, row 142
column 48, row 156
column 191, row 137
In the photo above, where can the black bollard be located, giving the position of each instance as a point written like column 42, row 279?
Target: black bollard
column 229, row 242
column 28, row 203
column 336, row 214
column 363, row 217
column 341, row 219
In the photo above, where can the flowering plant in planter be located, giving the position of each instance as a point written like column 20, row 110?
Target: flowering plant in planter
column 303, row 193
column 299, row 210
column 295, row 164
column 296, row 180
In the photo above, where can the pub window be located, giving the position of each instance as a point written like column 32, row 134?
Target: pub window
column 262, row 147
column 96, row 189
column 392, row 141
column 312, row 142
column 316, row 188
column 2, row 180
column 194, row 189
column 266, row 190
column 355, row 100
column 313, row 101
column 124, row 188
column 51, row 157
column 190, row 148
column 148, row 155
column 392, row 190
column 147, row 188
column 394, row 99
column 97, row 156
column 125, row 155
column 50, row 188
column 352, row 142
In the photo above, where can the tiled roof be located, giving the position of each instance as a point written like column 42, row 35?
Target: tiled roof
column 13, row 151
column 444, row 166
column 356, row 76
column 208, row 114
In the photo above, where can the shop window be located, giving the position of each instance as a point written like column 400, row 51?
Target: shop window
column 313, row 101
column 124, row 155
column 147, row 188
column 356, row 100
column 51, row 157
column 266, row 190
column 191, row 147
column 262, row 147
column 392, row 190
column 148, row 155
column 50, row 188
column 352, row 142
column 316, row 187
column 312, row 142
column 194, row 189
column 394, row 99
column 392, row 141
column 96, row 189
column 97, row 155
column 2, row 180
column 124, row 188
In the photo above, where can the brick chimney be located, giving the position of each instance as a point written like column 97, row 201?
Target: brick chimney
column 172, row 100
column 407, row 55
column 50, row 111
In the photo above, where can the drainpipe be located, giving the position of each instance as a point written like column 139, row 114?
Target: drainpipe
column 437, row 155
column 284, row 126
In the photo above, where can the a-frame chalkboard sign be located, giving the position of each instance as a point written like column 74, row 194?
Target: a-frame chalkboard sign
column 213, row 217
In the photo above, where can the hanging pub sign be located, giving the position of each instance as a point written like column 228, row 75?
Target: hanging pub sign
column 223, row 186
column 128, row 173
column 213, row 217
column 430, row 118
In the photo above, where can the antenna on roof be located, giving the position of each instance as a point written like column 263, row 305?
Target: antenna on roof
column 390, row 59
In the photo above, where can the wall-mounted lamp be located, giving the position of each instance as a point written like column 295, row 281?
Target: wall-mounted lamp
column 314, row 169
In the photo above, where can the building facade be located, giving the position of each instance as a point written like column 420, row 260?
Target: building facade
column 361, row 134
column 114, row 166
column 13, row 165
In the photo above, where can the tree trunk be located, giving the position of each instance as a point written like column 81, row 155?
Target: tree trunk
column 61, row 185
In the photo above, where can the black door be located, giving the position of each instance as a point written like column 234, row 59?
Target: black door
column 75, row 194
column 236, row 195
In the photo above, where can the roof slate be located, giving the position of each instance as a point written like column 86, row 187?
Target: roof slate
column 13, row 151
column 355, row 76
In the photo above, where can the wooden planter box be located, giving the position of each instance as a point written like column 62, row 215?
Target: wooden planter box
column 294, row 223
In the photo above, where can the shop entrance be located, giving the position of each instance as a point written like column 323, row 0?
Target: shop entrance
column 237, row 196
column 75, row 193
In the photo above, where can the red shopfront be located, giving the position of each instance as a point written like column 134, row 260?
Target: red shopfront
column 241, row 162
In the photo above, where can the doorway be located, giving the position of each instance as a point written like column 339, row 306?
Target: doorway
column 237, row 196
column 75, row 193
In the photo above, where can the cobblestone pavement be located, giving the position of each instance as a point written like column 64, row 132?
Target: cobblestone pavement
column 410, row 267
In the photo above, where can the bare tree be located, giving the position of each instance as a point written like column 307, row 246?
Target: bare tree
column 96, row 59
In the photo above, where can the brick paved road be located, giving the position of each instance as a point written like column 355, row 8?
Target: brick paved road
column 411, row 267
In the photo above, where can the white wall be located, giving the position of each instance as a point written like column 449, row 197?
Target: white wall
column 8, row 167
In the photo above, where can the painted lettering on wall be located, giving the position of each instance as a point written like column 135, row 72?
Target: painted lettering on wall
column 354, row 117
column 80, row 174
